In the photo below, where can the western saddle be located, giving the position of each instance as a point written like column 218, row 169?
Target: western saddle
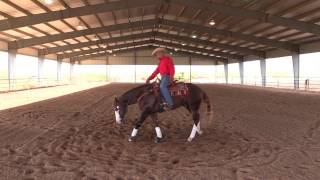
column 175, row 89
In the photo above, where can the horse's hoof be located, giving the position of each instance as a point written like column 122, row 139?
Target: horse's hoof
column 190, row 139
column 200, row 132
column 157, row 140
column 131, row 139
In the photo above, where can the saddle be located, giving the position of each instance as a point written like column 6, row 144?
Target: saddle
column 175, row 89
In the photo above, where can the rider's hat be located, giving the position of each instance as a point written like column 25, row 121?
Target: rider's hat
column 158, row 50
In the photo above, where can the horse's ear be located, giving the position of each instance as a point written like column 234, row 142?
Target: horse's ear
column 116, row 99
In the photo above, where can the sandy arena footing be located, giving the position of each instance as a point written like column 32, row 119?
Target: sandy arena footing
column 253, row 133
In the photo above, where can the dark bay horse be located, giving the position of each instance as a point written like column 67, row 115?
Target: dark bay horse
column 150, row 105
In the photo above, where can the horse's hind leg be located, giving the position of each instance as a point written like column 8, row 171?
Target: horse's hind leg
column 154, row 118
column 196, row 125
column 138, row 124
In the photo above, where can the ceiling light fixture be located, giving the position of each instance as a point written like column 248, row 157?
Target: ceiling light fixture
column 194, row 36
column 95, row 38
column 48, row 1
column 183, row 44
column 212, row 23
column 80, row 26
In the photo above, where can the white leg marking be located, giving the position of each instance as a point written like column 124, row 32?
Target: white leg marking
column 134, row 132
column 118, row 119
column 193, row 133
column 198, row 128
column 158, row 131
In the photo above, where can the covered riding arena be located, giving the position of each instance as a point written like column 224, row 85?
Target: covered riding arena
column 63, row 62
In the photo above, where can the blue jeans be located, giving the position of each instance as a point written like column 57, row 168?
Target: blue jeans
column 164, row 88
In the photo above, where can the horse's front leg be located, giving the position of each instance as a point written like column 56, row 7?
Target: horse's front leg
column 154, row 118
column 145, row 113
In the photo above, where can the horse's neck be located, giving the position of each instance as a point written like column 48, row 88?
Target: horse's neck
column 132, row 96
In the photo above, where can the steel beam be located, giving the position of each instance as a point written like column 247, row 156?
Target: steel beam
column 84, row 57
column 140, row 43
column 70, row 55
column 194, row 55
column 213, row 32
column 90, row 56
column 53, row 50
column 146, row 35
column 189, row 48
column 251, row 14
column 58, row 37
column 186, row 39
column 150, row 23
column 18, row 22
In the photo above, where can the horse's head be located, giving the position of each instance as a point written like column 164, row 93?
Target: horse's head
column 120, row 109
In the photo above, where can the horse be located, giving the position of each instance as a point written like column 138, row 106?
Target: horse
column 150, row 100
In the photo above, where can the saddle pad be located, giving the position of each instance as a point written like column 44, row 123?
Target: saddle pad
column 178, row 89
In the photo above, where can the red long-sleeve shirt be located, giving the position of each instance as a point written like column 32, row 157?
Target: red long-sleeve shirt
column 165, row 67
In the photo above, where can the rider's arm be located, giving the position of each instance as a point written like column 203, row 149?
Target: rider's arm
column 154, row 74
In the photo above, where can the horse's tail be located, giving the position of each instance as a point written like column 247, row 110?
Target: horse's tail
column 206, row 99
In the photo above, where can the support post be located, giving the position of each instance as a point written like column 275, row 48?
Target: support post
column 241, row 71
column 107, row 64
column 215, row 71
column 263, row 68
column 226, row 73
column 40, row 69
column 135, row 67
column 11, row 67
column 190, row 73
column 296, row 69
column 59, row 62
column 71, row 71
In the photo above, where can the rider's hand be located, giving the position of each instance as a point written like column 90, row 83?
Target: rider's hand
column 171, row 81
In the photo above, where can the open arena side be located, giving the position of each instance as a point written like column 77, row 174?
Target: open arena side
column 63, row 62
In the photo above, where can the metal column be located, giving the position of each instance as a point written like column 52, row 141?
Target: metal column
column 107, row 64
column 40, row 68
column 226, row 73
column 190, row 75
column 135, row 67
column 241, row 72
column 216, row 71
column 11, row 67
column 71, row 71
column 263, row 68
column 296, row 69
column 59, row 62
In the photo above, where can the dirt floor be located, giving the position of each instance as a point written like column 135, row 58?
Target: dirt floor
column 23, row 97
column 253, row 133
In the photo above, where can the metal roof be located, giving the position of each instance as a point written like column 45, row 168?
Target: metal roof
column 72, row 28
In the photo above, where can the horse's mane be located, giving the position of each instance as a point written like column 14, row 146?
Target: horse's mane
column 136, row 90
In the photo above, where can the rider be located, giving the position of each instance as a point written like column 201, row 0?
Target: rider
column 166, row 70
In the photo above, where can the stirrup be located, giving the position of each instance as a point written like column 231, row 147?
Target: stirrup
column 166, row 107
